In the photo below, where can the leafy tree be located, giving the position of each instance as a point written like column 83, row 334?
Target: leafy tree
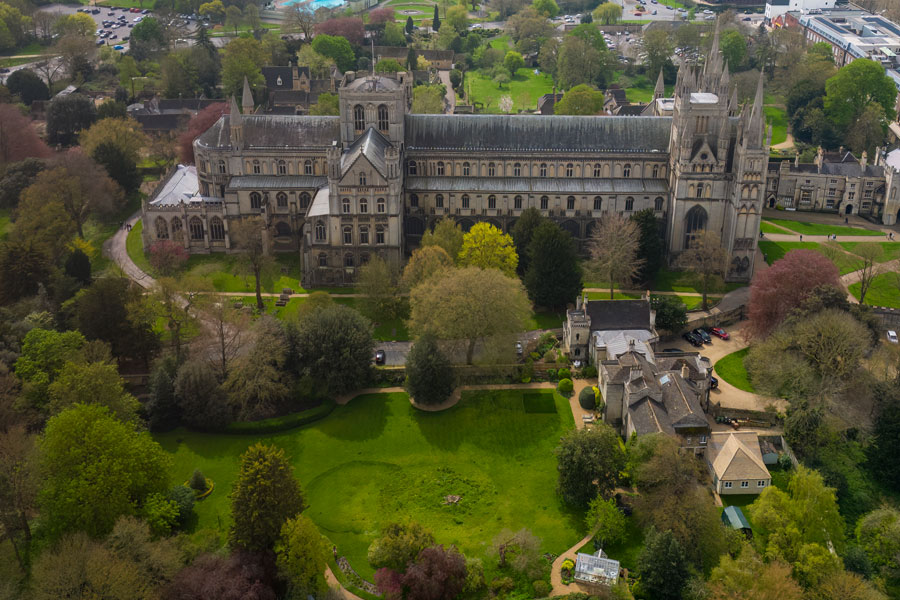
column 589, row 462
column 25, row 144
column 553, row 278
column 650, row 247
column 24, row 267
column 841, row 585
column 856, row 85
column 529, row 29
column 513, row 61
column 886, row 435
column 784, row 285
column 25, row 84
column 336, row 48
column 671, row 313
column 198, row 124
column 733, row 45
column 747, row 576
column 300, row 19
column 429, row 376
column 96, row 469
column 437, row 574
column 388, row 65
column 44, row 353
column 184, row 499
column 302, row 556
column 608, row 13
column 242, row 58
column 398, row 546
column 256, row 256
column 167, row 257
column 67, row 116
column 613, row 248
column 265, row 496
column 16, row 177
column 201, row 399
column 487, row 247
column 18, row 488
column 578, row 62
column 663, row 566
column 605, row 521
column 706, row 258
column 124, row 135
column 92, row 383
column 580, row 100
column 257, row 384
column 319, row 66
column 214, row 577
column 377, row 282
column 78, row 267
column 658, row 45
column 428, row 99
column 334, row 345
column 469, row 304
column 868, row 131
column 447, row 234
column 327, row 104
column 522, row 234
column 457, row 17
column 548, row 8
column 806, row 514
column 351, row 29
column 832, row 341
column 110, row 310
column 590, row 33
column 425, row 262
column 878, row 534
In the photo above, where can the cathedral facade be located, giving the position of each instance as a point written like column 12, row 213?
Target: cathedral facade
column 370, row 181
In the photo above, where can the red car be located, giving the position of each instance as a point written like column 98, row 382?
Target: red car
column 719, row 333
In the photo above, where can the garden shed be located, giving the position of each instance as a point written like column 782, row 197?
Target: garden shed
column 596, row 568
column 734, row 518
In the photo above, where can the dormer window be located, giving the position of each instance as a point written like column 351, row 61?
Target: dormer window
column 278, row 81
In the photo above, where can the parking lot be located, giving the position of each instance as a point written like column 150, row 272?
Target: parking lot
column 107, row 34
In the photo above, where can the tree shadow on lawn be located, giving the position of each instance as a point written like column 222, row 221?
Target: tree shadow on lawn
column 364, row 418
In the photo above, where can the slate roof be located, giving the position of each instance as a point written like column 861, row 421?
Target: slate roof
column 853, row 169
column 536, row 133
column 619, row 314
column 370, row 144
column 166, row 122
column 276, row 131
column 272, row 73
column 736, row 456
column 373, row 84
column 536, row 185
column 276, row 182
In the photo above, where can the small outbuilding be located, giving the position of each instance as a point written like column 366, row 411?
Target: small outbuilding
column 734, row 518
column 596, row 569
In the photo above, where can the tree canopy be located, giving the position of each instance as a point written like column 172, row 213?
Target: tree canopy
column 487, row 247
column 854, row 86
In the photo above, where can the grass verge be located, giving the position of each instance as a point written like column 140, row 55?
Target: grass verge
column 884, row 291
column 804, row 228
column 731, row 368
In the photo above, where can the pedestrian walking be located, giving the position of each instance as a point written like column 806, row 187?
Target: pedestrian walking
column 846, row 220
column 801, row 237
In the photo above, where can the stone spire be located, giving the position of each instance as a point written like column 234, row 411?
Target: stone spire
column 660, row 90
column 757, row 116
column 733, row 103
column 235, row 123
column 712, row 66
column 247, row 98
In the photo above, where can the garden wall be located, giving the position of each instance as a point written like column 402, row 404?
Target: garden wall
column 889, row 317
column 764, row 418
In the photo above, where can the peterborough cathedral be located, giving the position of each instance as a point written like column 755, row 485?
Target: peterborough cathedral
column 372, row 180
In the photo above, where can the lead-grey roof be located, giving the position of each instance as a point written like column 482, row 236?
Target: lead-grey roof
column 537, row 133
column 370, row 144
column 536, row 185
column 276, row 131
column 377, row 83
column 276, row 182
column 180, row 186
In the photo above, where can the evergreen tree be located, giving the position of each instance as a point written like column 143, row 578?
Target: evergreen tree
column 553, row 278
column 436, row 22
column 78, row 267
column 412, row 60
column 410, row 26
column 522, row 232
column 650, row 247
column 663, row 566
column 429, row 376
column 265, row 495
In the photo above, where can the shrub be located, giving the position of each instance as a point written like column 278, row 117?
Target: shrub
column 528, row 371
column 589, row 372
column 282, row 423
column 502, row 585
column 564, row 374
column 568, row 565
column 535, row 356
column 167, row 257
column 564, row 386
column 587, row 399
column 551, row 374
column 198, row 481
column 542, row 589
column 183, row 497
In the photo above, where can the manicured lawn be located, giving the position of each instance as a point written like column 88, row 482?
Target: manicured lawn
column 546, row 320
column 731, row 368
column 694, row 302
column 97, row 231
column 616, row 296
column 525, row 89
column 767, row 227
column 644, row 92
column 15, row 62
column 627, row 551
column 378, row 460
column 740, row 500
column 502, row 42
column 134, row 245
column 32, row 48
column 820, row 229
column 225, row 32
column 884, row 291
column 391, row 330
column 777, row 118
column 775, row 250
column 683, row 281
column 889, row 250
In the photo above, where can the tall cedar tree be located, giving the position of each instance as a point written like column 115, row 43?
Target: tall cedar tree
column 429, row 376
column 663, row 568
column 553, row 278
column 436, row 21
column 589, row 462
column 650, row 247
column 410, row 26
column 265, row 495
column 521, row 235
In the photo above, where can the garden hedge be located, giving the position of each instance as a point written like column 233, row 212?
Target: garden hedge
column 284, row 422
column 587, row 399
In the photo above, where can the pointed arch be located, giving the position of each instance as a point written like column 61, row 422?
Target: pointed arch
column 694, row 222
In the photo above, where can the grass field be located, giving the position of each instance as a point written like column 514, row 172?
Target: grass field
column 97, row 231
column 378, row 460
column 731, row 368
column 820, row 229
column 502, row 42
column 889, row 250
column 884, row 291
column 627, row 551
column 683, row 281
column 15, row 62
column 767, row 227
column 776, row 250
column 644, row 92
column 525, row 89
column 777, row 118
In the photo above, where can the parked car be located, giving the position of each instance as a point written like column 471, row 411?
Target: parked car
column 746, row 19
column 713, row 383
column 892, row 336
column 701, row 333
column 118, row 47
column 4, row 70
column 379, row 357
column 693, row 339
column 719, row 333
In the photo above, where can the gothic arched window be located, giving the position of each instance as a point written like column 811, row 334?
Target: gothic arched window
column 380, row 206
column 492, row 201
column 658, row 204
column 320, row 232
column 221, row 166
column 694, row 223
column 465, row 201
column 517, row 170
column 465, row 169
column 304, row 200
column 216, row 229
column 570, row 170
column 414, row 200
column 439, row 201
column 255, row 200
column 629, row 203
column 598, row 202
column 570, row 203
column 195, row 225
column 597, row 170
column 517, row 202
column 545, row 202
column 359, row 118
column 383, row 117
column 363, row 206
column 379, row 234
column 281, row 199
column 411, row 168
column 440, row 168
column 176, row 229
column 282, row 167
column 162, row 229
column 323, row 259
column 345, row 206
column 362, row 179
column 307, row 167
column 491, row 169
column 626, row 171
column 348, row 235
column 543, row 169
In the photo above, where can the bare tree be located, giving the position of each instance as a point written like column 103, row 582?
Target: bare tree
column 18, row 488
column 229, row 329
column 252, row 239
column 43, row 21
column 614, row 248
column 706, row 257
column 299, row 19
column 867, row 268
column 49, row 69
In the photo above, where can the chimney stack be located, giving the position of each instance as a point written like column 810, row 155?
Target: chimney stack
column 685, row 372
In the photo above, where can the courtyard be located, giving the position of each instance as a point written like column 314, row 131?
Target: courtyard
column 378, row 460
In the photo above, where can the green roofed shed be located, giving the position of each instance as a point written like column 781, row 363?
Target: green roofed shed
column 733, row 517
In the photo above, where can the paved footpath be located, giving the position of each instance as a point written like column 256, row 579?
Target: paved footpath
column 115, row 248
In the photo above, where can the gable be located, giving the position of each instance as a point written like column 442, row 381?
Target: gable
column 362, row 165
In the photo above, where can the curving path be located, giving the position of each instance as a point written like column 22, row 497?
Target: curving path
column 560, row 588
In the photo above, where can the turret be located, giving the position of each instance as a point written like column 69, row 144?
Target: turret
column 235, row 123
column 660, row 90
column 247, row 98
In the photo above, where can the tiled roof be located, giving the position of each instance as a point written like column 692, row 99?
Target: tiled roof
column 370, row 144
column 536, row 185
column 276, row 131
column 736, row 456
